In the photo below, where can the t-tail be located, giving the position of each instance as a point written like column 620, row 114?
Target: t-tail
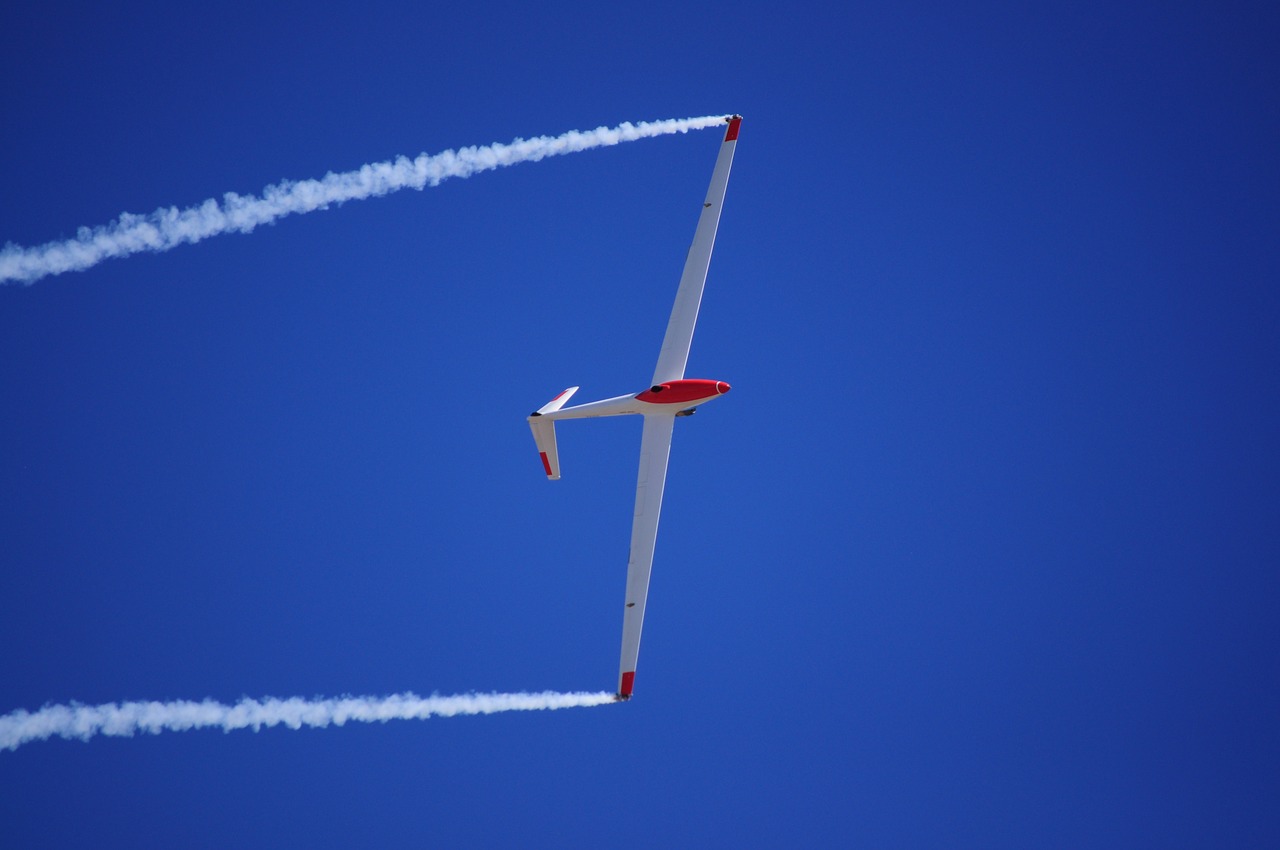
column 544, row 433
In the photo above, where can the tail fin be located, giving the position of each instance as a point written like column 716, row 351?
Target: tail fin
column 544, row 433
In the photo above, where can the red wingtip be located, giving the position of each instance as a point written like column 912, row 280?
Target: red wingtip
column 731, row 135
column 628, row 682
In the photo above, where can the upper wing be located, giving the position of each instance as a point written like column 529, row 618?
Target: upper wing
column 675, row 345
column 655, row 446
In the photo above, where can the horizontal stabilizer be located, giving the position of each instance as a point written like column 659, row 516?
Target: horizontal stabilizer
column 557, row 402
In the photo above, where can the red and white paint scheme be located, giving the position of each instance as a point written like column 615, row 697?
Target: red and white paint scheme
column 670, row 394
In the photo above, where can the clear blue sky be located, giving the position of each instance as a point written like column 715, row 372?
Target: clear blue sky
column 981, row 550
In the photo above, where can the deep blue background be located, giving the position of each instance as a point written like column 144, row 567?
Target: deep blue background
column 981, row 550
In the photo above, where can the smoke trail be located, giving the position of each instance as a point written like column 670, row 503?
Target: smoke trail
column 127, row 718
column 168, row 227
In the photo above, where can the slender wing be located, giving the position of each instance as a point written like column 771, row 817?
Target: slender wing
column 675, row 345
column 655, row 446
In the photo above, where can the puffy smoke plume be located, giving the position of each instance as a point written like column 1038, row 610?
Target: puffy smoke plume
column 129, row 718
column 170, row 226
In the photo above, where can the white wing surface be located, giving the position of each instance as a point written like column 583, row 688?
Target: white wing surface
column 655, row 446
column 684, row 315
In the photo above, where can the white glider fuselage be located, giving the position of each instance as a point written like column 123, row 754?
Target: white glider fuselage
column 670, row 394
column 671, row 398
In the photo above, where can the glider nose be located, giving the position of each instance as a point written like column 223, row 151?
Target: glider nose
column 722, row 387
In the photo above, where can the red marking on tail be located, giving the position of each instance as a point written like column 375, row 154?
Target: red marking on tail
column 546, row 464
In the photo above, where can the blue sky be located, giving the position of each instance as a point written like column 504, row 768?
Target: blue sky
column 980, row 551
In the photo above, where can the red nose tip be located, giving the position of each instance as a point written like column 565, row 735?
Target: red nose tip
column 722, row 387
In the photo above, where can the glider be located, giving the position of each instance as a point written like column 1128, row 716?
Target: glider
column 670, row 394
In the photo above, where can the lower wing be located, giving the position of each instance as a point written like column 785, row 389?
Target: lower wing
column 655, row 447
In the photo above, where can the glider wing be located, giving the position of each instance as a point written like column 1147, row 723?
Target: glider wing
column 655, row 447
column 675, row 345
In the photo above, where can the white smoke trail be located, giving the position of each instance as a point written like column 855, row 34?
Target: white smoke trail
column 168, row 227
column 127, row 718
